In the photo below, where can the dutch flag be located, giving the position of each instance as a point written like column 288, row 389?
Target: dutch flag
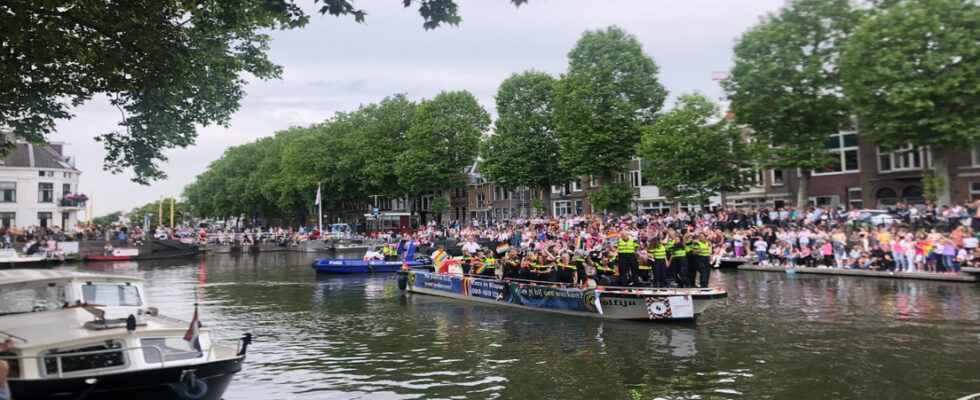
column 192, row 335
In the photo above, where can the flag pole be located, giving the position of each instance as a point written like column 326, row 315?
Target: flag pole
column 172, row 200
column 319, row 204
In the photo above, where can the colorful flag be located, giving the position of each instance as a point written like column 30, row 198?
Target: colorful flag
column 192, row 335
column 317, row 195
column 503, row 248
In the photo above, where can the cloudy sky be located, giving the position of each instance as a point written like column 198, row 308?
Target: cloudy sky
column 335, row 65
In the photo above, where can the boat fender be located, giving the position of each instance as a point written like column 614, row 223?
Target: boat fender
column 189, row 387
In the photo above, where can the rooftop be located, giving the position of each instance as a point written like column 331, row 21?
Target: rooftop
column 29, row 155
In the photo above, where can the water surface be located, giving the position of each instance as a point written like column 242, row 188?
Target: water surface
column 778, row 337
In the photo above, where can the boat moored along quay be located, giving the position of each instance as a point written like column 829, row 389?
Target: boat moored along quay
column 618, row 303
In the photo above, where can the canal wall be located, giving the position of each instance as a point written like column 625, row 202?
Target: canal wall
column 860, row 272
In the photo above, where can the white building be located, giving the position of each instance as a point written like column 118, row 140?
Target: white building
column 39, row 187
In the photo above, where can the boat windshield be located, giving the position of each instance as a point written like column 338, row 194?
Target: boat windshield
column 23, row 299
column 111, row 294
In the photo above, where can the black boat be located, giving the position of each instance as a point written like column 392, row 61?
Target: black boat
column 118, row 350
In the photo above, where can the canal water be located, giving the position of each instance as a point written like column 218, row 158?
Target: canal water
column 778, row 337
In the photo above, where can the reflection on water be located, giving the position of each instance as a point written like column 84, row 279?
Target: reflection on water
column 779, row 337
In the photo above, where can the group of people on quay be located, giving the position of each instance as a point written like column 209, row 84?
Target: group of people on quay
column 679, row 248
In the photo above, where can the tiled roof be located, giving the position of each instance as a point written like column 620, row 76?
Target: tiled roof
column 27, row 155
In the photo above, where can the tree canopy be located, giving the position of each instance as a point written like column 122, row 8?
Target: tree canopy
column 523, row 150
column 912, row 74
column 785, row 83
column 692, row 154
column 608, row 93
column 169, row 66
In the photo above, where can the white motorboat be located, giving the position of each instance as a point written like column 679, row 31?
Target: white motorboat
column 88, row 336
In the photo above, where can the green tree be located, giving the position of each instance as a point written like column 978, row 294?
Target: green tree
column 444, row 138
column 692, row 154
column 613, row 197
column 785, row 84
column 379, row 137
column 182, row 211
column 912, row 73
column 523, row 150
column 609, row 92
column 169, row 66
column 107, row 220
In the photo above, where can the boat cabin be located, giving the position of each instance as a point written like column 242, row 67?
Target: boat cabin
column 33, row 291
column 74, row 342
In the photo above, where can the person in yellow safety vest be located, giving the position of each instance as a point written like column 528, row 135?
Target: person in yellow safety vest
column 628, row 266
column 540, row 269
column 390, row 252
column 678, row 262
column 703, row 252
column 489, row 266
column 658, row 252
column 605, row 272
column 692, row 260
column 565, row 271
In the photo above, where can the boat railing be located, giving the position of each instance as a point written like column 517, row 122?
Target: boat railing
column 58, row 357
column 565, row 285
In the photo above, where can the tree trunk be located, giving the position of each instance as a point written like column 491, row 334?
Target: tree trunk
column 802, row 188
column 941, row 186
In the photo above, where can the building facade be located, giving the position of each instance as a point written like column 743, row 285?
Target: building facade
column 39, row 188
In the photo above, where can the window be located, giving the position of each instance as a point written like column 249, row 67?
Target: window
column 43, row 219
column 65, row 217
column 974, row 191
column 111, row 294
column 577, row 185
column 563, row 207
column 635, row 179
column 40, row 173
column 104, row 359
column 579, row 210
column 593, row 182
column 45, row 192
column 21, row 299
column 8, row 219
column 171, row 349
column 8, row 192
column 975, row 153
column 756, row 179
column 854, row 199
column 777, row 177
column 556, row 189
column 65, row 189
column 913, row 195
column 844, row 150
column 825, row 201
column 905, row 158
column 886, row 197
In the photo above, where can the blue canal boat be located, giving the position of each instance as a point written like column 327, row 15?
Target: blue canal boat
column 341, row 266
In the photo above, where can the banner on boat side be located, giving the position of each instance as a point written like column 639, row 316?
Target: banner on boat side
column 569, row 299
column 514, row 293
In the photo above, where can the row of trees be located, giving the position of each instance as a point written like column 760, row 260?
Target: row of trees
column 587, row 122
column 393, row 148
column 899, row 72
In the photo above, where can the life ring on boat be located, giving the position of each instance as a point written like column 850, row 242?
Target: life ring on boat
column 659, row 309
column 190, row 388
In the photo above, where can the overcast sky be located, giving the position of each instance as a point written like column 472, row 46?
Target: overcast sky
column 334, row 64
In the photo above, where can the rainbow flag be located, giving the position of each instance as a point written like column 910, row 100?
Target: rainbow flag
column 503, row 248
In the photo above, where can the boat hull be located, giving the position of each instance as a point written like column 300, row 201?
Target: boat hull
column 647, row 304
column 148, row 384
column 109, row 258
column 335, row 266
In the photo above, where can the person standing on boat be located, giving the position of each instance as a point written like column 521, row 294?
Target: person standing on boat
column 658, row 252
column 703, row 253
column 626, row 252
column 678, row 262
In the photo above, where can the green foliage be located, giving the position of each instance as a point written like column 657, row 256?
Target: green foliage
column 691, row 155
column 616, row 197
column 443, row 139
column 523, row 151
column 538, row 206
column 932, row 186
column 107, row 220
column 169, row 66
column 609, row 92
column 785, row 84
column 439, row 205
column 182, row 211
column 912, row 73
